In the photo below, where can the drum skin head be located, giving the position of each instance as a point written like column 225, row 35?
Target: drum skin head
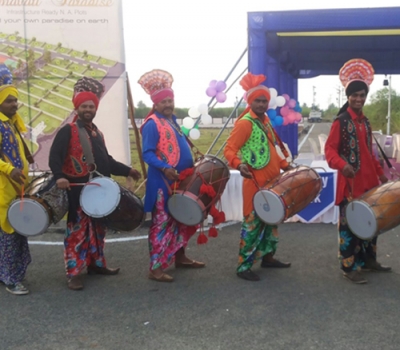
column 28, row 218
column 361, row 219
column 271, row 212
column 185, row 210
column 100, row 201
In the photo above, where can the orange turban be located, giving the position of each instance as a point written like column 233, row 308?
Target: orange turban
column 252, row 84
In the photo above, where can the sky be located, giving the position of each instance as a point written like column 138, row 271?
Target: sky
column 199, row 41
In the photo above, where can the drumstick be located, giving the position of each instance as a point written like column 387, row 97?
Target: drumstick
column 84, row 184
column 140, row 186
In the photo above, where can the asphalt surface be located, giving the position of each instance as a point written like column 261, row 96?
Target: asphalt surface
column 308, row 306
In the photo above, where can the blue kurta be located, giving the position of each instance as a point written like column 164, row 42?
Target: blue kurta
column 150, row 138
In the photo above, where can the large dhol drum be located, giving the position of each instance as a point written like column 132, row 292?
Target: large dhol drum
column 115, row 205
column 287, row 194
column 42, row 204
column 187, row 205
column 375, row 212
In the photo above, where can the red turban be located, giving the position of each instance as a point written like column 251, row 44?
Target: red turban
column 160, row 95
column 252, row 84
column 85, row 96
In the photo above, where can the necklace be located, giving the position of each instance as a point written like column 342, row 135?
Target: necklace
column 176, row 128
column 92, row 130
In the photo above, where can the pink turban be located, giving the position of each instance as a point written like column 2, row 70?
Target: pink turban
column 160, row 95
column 85, row 96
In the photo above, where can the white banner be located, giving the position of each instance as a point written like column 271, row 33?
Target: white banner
column 48, row 45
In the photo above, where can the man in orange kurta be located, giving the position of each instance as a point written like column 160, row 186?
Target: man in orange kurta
column 254, row 137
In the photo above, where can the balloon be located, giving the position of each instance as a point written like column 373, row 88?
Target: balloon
column 280, row 101
column 203, row 108
column 271, row 114
column 278, row 120
column 284, row 111
column 285, row 121
column 291, row 117
column 206, row 119
column 286, row 97
column 185, row 130
column 188, row 122
column 194, row 112
column 194, row 134
column 298, row 118
column 211, row 91
column 221, row 86
column 292, row 103
column 213, row 83
column 221, row 97
column 272, row 103
column 273, row 92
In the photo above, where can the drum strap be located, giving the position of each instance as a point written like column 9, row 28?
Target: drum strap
column 383, row 154
column 86, row 146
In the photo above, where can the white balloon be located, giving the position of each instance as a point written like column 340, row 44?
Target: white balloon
column 273, row 92
column 206, row 119
column 188, row 122
column 194, row 134
column 203, row 108
column 194, row 112
column 280, row 101
column 272, row 103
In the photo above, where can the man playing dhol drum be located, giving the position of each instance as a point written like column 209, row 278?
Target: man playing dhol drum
column 254, row 137
column 84, row 238
column 349, row 150
column 14, row 249
column 166, row 151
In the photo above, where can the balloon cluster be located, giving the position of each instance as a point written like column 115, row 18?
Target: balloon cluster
column 289, row 109
column 188, row 127
column 216, row 89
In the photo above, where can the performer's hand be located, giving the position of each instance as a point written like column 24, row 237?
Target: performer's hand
column 383, row 179
column 244, row 171
column 134, row 174
column 289, row 167
column 63, row 184
column 171, row 174
column 18, row 176
column 348, row 171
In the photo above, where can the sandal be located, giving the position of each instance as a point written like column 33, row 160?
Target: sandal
column 190, row 265
column 163, row 278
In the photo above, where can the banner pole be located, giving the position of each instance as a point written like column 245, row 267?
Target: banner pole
column 131, row 112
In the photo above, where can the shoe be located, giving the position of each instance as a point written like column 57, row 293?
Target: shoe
column 355, row 277
column 163, row 278
column 75, row 283
column 373, row 265
column 95, row 270
column 17, row 289
column 190, row 265
column 248, row 275
column 275, row 263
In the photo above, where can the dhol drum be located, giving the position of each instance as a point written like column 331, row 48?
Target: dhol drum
column 287, row 194
column 375, row 212
column 187, row 205
column 115, row 205
column 42, row 204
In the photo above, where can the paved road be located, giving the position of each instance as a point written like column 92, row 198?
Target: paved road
column 309, row 306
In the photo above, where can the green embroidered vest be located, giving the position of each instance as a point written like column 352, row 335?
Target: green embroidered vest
column 255, row 152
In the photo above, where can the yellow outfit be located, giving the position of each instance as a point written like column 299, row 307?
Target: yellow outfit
column 8, row 188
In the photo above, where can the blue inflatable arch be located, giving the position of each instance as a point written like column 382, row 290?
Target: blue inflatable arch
column 291, row 45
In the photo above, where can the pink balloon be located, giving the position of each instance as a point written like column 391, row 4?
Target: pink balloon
column 213, row 83
column 285, row 121
column 284, row 111
column 299, row 117
column 221, row 86
column 221, row 97
column 211, row 91
column 292, row 103
column 291, row 117
column 286, row 96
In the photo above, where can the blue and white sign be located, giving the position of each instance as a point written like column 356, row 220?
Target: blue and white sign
column 323, row 202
